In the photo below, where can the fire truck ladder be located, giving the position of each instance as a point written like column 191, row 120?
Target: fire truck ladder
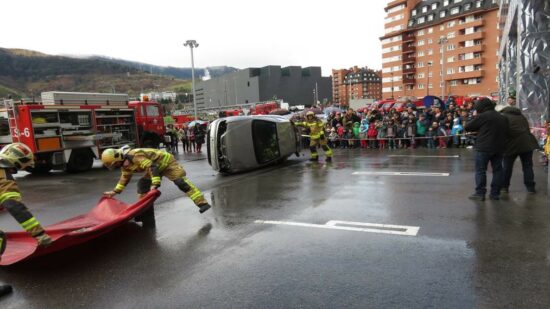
column 12, row 119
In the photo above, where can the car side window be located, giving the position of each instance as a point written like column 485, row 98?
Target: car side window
column 266, row 142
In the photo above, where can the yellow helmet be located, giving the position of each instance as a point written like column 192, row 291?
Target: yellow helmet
column 17, row 155
column 111, row 156
column 310, row 113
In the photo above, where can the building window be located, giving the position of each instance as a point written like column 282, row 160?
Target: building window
column 421, row 54
column 434, row 6
column 442, row 27
column 421, row 43
column 454, row 83
column 420, row 75
column 446, row 2
column 420, row 64
column 424, row 9
column 420, row 33
column 479, row 3
column 467, row 6
column 451, row 24
column 421, row 20
column 442, row 14
column 450, row 35
column 430, row 30
column 430, row 52
column 450, row 47
column 413, row 13
column 430, row 17
column 430, row 41
column 455, row 10
column 420, row 86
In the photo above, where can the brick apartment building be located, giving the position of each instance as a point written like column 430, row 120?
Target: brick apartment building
column 440, row 47
column 356, row 83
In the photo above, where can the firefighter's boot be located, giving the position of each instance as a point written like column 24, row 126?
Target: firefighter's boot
column 5, row 289
column 314, row 159
column 203, row 207
column 328, row 159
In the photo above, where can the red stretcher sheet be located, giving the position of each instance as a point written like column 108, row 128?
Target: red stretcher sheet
column 108, row 214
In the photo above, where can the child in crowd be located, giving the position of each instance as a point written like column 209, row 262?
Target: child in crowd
column 431, row 136
column 442, row 136
column 402, row 134
column 390, row 134
column 363, row 132
column 348, row 139
column 333, row 138
column 411, row 132
column 456, row 131
column 382, row 134
column 372, row 133
column 356, row 132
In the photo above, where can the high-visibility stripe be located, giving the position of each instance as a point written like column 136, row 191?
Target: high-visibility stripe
column 195, row 195
column 155, row 180
column 9, row 195
column 329, row 152
column 144, row 163
column 119, row 187
column 30, row 224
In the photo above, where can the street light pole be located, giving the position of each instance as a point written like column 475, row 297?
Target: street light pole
column 428, row 84
column 442, row 41
column 193, row 44
column 392, row 85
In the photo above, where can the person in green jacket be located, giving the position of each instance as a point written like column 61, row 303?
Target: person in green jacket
column 421, row 126
column 356, row 134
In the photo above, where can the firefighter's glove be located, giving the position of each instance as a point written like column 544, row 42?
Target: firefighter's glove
column 43, row 240
column 109, row 194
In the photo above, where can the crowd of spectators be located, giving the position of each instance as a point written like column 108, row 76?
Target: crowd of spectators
column 434, row 127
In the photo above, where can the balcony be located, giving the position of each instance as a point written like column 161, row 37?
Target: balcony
column 472, row 36
column 408, row 37
column 409, row 80
column 411, row 58
column 471, row 49
column 408, row 49
column 409, row 70
column 475, row 23
column 464, row 75
column 473, row 61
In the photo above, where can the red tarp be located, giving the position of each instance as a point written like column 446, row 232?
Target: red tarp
column 104, row 217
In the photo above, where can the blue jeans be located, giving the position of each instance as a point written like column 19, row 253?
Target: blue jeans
column 527, row 166
column 482, row 161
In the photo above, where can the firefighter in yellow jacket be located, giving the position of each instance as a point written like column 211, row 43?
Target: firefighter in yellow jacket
column 317, row 136
column 155, row 163
column 15, row 157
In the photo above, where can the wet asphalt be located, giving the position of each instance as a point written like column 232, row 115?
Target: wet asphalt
column 467, row 254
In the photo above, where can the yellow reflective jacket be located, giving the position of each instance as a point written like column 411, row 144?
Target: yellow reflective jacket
column 148, row 160
column 316, row 127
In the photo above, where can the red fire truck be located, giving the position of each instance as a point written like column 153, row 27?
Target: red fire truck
column 67, row 130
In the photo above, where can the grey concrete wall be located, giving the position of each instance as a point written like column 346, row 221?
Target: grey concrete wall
column 294, row 85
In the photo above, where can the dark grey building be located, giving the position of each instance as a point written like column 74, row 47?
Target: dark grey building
column 295, row 85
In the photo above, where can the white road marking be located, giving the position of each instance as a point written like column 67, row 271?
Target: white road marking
column 402, row 230
column 419, row 156
column 402, row 174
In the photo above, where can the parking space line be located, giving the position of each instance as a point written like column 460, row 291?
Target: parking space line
column 403, row 230
column 402, row 174
column 420, row 156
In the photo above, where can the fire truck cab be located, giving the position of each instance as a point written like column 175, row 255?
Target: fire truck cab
column 67, row 130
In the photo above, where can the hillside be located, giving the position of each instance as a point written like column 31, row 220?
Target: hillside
column 26, row 73
column 183, row 73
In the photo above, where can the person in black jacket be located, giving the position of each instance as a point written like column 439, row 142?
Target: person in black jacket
column 521, row 143
column 492, row 133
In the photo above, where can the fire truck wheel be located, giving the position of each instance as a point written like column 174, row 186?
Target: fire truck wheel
column 81, row 160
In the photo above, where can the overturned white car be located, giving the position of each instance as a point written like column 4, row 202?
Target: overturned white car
column 243, row 143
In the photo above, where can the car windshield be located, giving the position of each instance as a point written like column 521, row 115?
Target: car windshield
column 266, row 145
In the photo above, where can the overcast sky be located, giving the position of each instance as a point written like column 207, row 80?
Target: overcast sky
column 238, row 33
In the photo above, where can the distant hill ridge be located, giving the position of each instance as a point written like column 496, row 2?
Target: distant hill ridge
column 27, row 73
